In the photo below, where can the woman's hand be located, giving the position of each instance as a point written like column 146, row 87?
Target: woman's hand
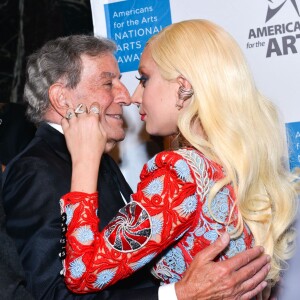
column 86, row 140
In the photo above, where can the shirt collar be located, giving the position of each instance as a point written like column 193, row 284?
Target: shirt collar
column 56, row 126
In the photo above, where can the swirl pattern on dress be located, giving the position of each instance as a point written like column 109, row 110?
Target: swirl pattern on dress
column 130, row 229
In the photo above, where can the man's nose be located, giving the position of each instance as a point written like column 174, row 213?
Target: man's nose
column 122, row 96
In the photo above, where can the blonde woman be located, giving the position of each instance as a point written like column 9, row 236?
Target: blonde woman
column 229, row 172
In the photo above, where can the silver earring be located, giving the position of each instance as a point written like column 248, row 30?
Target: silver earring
column 183, row 94
column 179, row 105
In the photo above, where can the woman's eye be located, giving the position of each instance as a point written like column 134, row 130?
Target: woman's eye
column 143, row 79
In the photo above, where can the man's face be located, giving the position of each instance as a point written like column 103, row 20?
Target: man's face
column 100, row 82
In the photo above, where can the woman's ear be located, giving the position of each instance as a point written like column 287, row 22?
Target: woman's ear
column 184, row 83
column 58, row 97
column 185, row 91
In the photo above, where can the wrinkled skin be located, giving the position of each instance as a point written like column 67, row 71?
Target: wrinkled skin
column 240, row 277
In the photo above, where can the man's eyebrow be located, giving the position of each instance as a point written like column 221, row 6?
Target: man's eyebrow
column 140, row 69
column 108, row 75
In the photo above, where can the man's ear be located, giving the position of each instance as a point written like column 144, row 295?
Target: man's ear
column 58, row 98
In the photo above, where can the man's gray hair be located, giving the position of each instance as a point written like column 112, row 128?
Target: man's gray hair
column 58, row 59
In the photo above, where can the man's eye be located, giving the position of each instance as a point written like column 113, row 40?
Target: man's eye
column 143, row 79
column 109, row 84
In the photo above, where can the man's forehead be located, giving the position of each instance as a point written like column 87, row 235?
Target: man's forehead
column 108, row 75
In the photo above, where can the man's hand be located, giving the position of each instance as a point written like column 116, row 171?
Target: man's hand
column 240, row 277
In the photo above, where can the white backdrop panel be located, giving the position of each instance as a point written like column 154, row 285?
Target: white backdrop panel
column 271, row 48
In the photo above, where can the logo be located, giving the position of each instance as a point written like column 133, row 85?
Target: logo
column 281, row 38
column 293, row 131
column 276, row 5
column 131, row 23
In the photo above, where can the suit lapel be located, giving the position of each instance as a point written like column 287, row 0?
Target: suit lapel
column 110, row 181
column 109, row 187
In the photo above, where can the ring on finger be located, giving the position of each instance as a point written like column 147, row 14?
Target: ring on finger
column 95, row 110
column 80, row 109
column 69, row 115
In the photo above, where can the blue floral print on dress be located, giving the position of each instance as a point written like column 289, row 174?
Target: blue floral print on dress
column 154, row 187
column 174, row 278
column 171, row 266
column 182, row 170
column 104, row 277
column 151, row 166
column 84, row 234
column 211, row 235
column 200, row 231
column 156, row 226
column 69, row 213
column 190, row 240
column 236, row 246
column 189, row 205
column 219, row 206
column 175, row 260
column 77, row 268
column 143, row 261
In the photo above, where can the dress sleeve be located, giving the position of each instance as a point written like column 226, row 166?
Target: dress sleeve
column 161, row 210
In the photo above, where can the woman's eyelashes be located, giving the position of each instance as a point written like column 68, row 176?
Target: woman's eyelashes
column 143, row 79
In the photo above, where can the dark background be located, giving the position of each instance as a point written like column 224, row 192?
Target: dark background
column 25, row 25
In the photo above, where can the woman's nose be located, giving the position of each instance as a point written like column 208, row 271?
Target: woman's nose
column 136, row 97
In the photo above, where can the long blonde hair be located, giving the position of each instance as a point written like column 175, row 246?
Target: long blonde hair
column 242, row 129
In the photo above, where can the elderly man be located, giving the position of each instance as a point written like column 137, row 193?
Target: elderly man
column 62, row 74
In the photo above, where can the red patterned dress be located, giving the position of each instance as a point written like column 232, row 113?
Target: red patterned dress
column 169, row 211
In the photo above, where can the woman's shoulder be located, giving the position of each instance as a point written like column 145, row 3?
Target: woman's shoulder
column 166, row 169
column 186, row 162
column 183, row 160
column 179, row 153
column 169, row 156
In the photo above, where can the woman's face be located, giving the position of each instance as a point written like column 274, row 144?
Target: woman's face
column 157, row 98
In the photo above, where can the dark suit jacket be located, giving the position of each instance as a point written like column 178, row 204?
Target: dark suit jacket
column 12, row 277
column 33, row 184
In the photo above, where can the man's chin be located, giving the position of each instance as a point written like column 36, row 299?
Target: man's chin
column 110, row 144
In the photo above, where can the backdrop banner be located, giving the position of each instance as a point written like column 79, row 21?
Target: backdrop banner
column 268, row 33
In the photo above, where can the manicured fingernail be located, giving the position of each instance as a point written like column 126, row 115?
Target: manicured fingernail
column 225, row 237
